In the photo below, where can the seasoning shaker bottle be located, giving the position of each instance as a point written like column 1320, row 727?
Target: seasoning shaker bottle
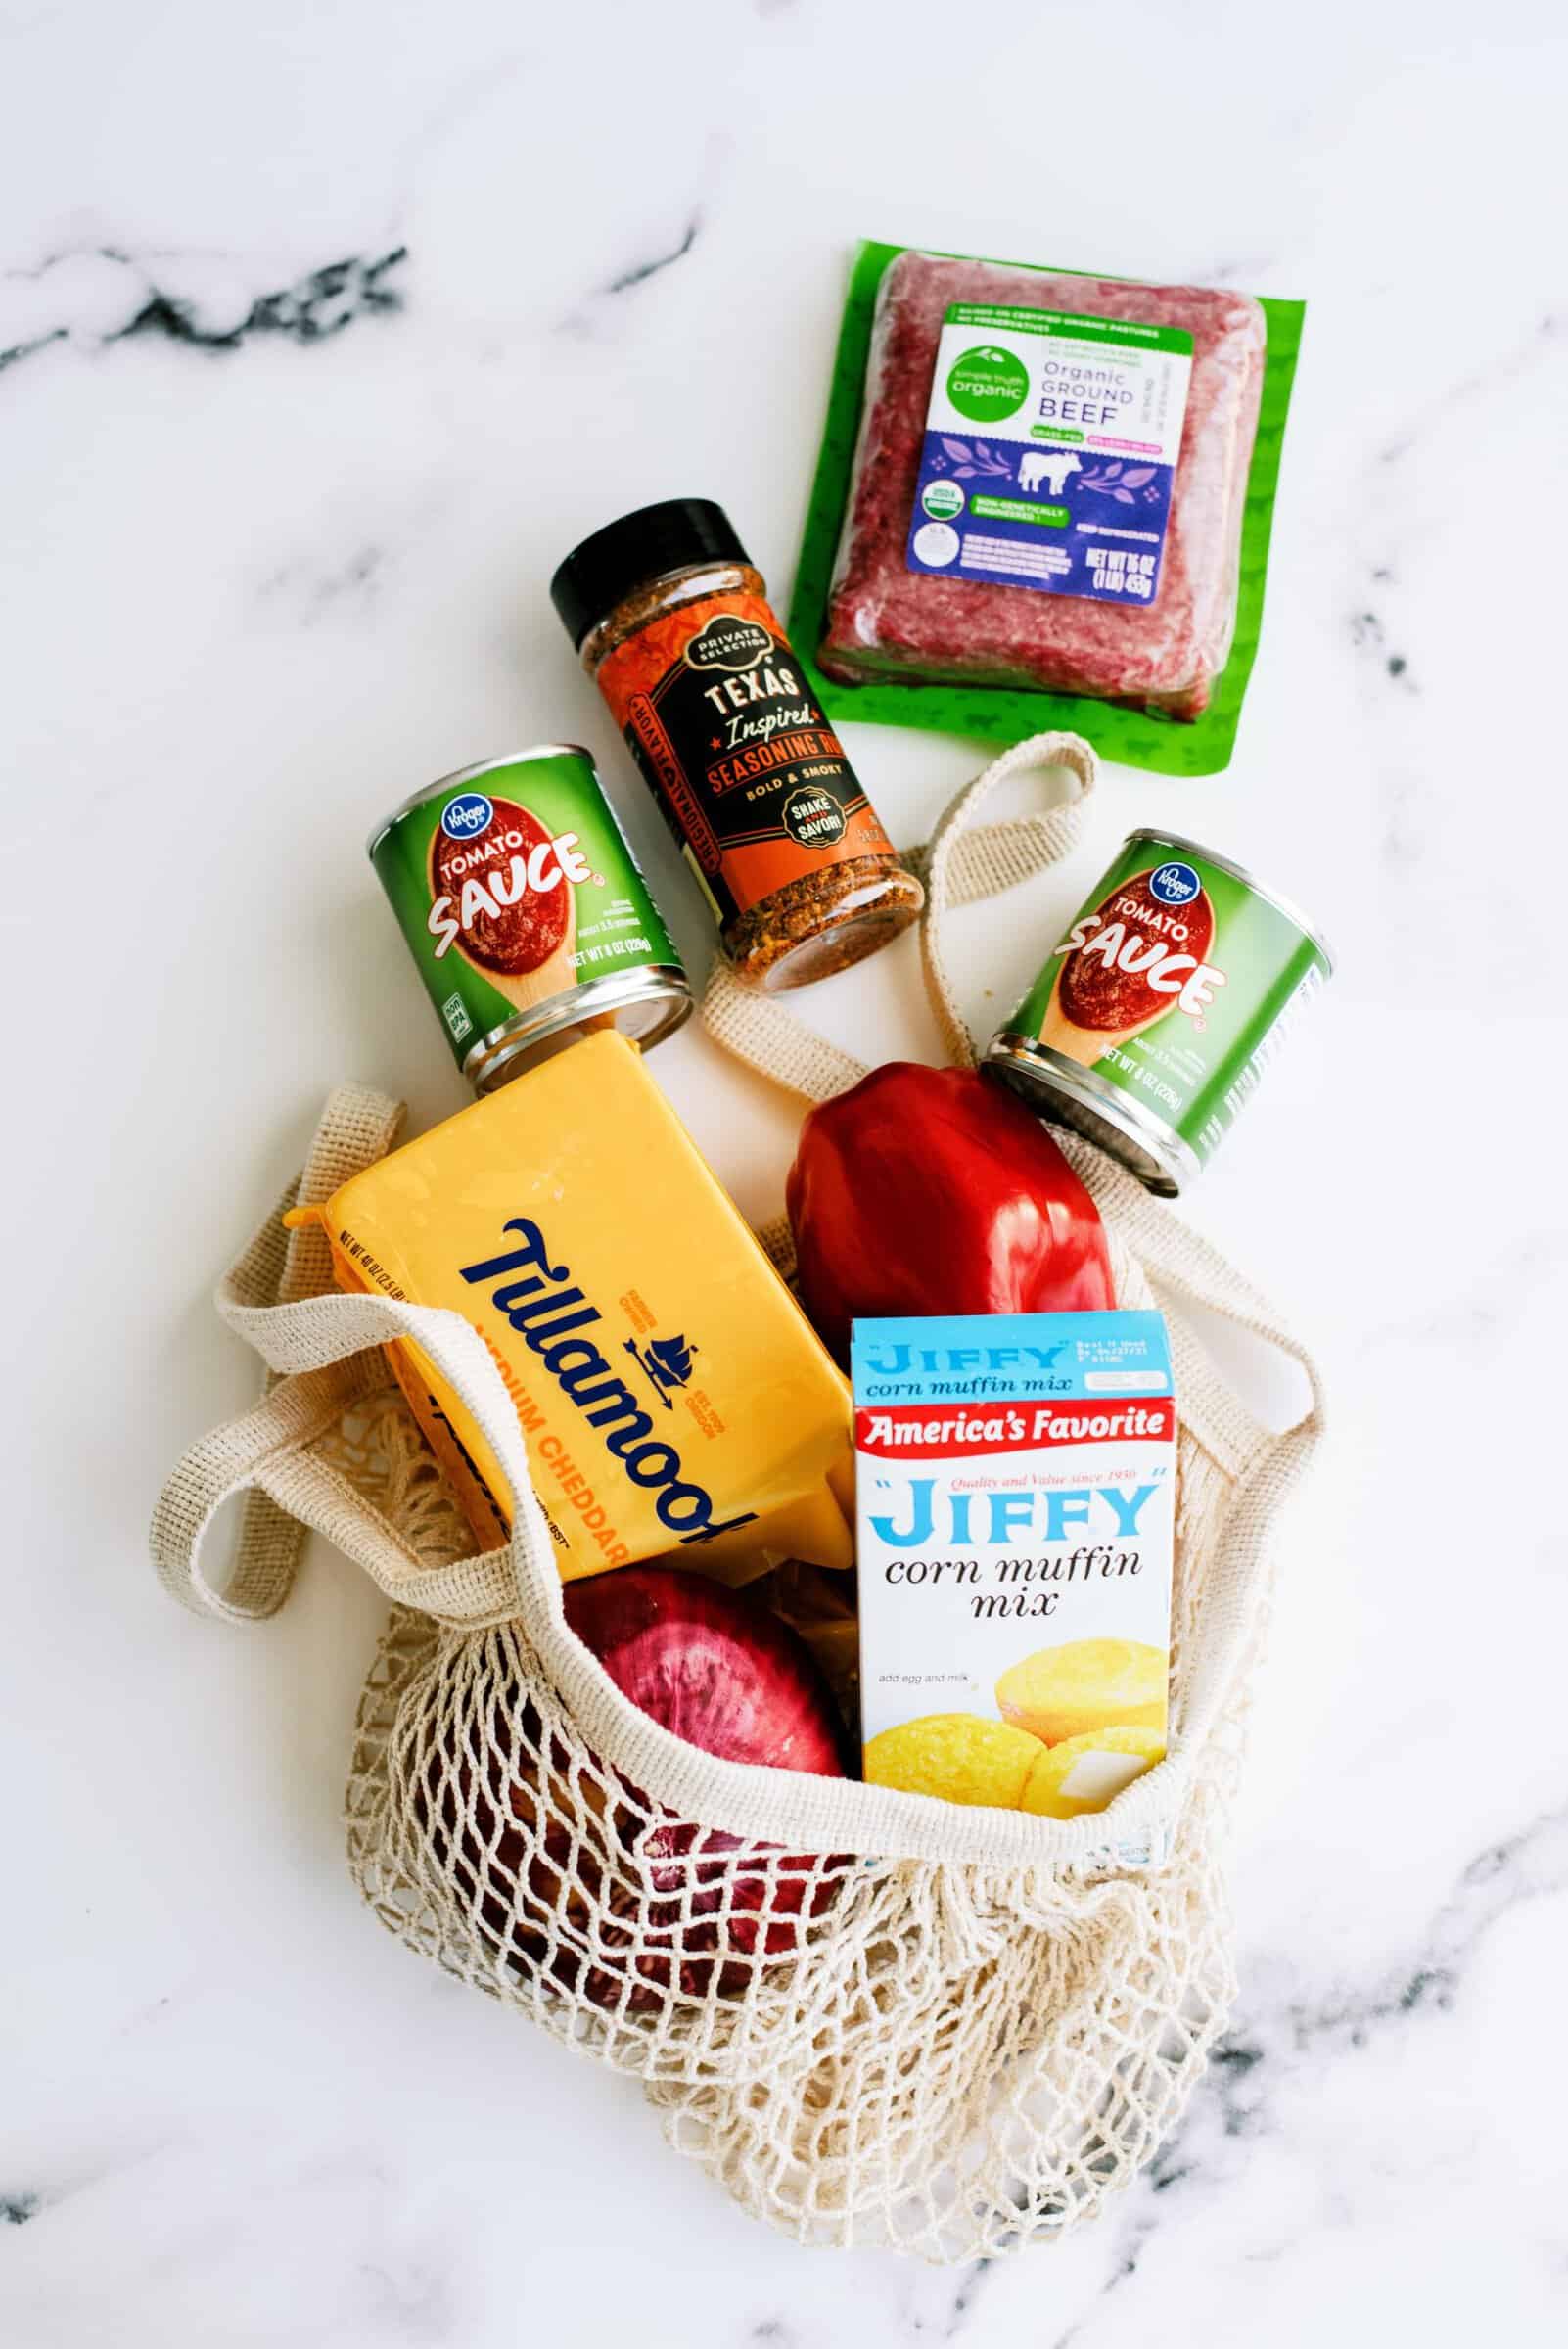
column 673, row 621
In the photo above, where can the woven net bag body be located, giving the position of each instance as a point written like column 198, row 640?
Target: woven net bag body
column 874, row 2017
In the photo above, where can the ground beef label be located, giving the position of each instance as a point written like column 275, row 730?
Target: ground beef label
column 1050, row 448
column 752, row 778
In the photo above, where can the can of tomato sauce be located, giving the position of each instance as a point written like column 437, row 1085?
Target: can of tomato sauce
column 526, row 913
column 1153, row 1021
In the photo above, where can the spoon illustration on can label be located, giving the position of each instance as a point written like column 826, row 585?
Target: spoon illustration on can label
column 505, row 899
column 1140, row 954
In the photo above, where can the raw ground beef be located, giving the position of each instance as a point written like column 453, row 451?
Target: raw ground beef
column 885, row 621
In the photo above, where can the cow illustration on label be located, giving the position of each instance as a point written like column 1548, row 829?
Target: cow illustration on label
column 1140, row 954
column 1050, row 466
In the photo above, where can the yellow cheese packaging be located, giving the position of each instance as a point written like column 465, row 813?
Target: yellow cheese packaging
column 673, row 1395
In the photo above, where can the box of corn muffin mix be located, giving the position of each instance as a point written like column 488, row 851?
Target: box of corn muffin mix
column 1015, row 1483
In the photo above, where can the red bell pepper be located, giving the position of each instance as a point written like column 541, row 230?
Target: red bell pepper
column 934, row 1191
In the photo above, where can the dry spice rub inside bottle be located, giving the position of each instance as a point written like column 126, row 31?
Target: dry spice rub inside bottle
column 675, row 624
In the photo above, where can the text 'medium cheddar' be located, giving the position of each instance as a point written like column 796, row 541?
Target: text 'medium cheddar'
column 1015, row 1503
column 673, row 1397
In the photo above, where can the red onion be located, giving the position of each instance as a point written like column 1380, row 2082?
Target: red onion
column 710, row 1666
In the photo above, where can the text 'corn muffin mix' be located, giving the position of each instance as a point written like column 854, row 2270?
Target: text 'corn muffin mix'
column 1015, row 1501
column 673, row 1397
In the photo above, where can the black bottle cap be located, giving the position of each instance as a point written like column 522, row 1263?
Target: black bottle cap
column 603, row 569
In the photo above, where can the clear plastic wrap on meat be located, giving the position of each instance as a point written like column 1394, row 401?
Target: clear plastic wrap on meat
column 885, row 621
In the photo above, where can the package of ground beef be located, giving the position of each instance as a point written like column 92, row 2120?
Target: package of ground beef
column 1037, row 484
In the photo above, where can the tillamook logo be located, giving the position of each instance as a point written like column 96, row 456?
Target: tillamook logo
column 548, row 1314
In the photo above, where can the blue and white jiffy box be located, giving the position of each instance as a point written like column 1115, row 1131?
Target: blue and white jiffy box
column 1015, row 1508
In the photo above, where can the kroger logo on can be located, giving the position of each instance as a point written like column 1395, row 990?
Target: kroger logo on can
column 466, row 815
column 1174, row 884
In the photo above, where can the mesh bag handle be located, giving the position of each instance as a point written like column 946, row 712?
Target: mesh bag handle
column 323, row 1352
column 259, row 1454
column 276, row 1266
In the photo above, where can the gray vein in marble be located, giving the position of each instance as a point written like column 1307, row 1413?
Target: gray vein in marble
column 1542, row 343
column 643, row 271
column 1368, row 634
column 25, row 351
column 1484, row 1313
column 313, row 308
column 355, row 582
column 1232, row 2098
column 416, row 2306
column 1244, row 273
column 119, row 298
column 962, row 2305
column 17, row 2209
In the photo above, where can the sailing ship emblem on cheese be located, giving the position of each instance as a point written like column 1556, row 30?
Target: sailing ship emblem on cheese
column 667, row 1362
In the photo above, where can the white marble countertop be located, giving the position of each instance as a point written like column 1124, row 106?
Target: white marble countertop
column 324, row 331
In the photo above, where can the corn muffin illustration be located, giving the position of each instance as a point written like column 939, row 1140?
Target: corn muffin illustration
column 1061, row 1693
column 1082, row 1773
column 958, row 1757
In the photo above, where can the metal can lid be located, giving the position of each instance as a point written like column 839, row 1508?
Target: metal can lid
column 1238, row 873
column 647, row 1002
column 1062, row 1094
column 472, row 774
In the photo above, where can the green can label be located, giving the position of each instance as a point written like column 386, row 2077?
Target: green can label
column 514, row 884
column 1175, row 986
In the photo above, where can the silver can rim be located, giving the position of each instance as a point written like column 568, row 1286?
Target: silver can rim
column 1238, row 873
column 471, row 774
column 1051, row 1073
column 654, row 983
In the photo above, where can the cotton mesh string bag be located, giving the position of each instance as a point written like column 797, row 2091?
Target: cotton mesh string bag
column 875, row 2019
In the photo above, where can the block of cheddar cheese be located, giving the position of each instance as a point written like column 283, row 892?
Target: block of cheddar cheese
column 673, row 1395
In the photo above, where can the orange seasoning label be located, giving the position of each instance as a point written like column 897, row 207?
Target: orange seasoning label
column 753, row 780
